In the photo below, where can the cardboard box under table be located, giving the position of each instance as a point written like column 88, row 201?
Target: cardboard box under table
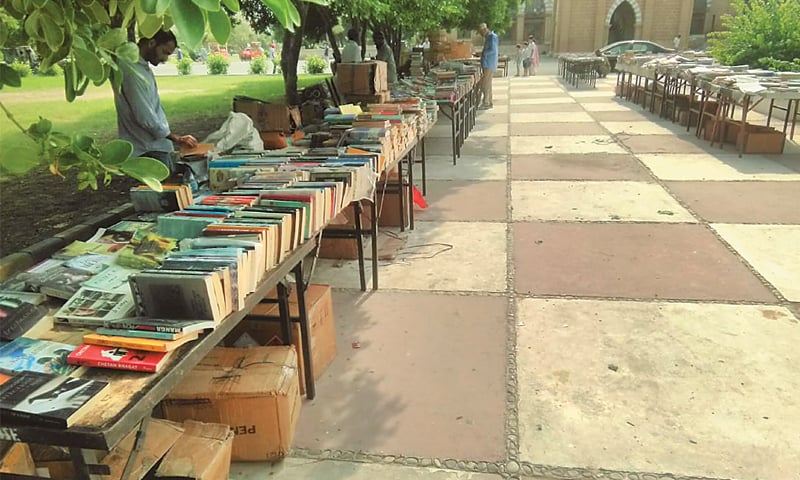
column 366, row 78
column 254, row 390
column 262, row 326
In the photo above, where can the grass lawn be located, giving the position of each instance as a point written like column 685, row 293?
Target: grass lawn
column 194, row 104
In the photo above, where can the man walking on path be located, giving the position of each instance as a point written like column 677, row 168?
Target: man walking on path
column 140, row 117
column 488, row 64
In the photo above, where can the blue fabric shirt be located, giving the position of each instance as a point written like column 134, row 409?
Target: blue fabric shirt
column 489, row 53
column 140, row 117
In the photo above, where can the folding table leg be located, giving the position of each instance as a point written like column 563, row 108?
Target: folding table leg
column 283, row 308
column 87, row 464
column 360, row 243
column 374, row 233
column 305, row 334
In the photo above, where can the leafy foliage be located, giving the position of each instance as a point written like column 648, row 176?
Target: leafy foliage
column 51, row 71
column 760, row 33
column 22, row 68
column 185, row 65
column 258, row 65
column 315, row 65
column 217, row 64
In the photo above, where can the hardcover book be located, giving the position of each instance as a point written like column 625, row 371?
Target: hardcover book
column 41, row 356
column 117, row 358
column 32, row 398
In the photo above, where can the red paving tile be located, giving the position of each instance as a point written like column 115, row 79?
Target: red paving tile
column 465, row 201
column 666, row 144
column 741, row 202
column 630, row 260
column 594, row 166
column 541, row 128
column 428, row 378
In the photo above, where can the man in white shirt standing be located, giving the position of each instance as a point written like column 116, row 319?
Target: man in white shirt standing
column 351, row 53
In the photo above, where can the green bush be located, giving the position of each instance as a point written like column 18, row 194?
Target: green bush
column 22, row 68
column 760, row 33
column 52, row 71
column 258, row 65
column 185, row 66
column 315, row 65
column 217, row 64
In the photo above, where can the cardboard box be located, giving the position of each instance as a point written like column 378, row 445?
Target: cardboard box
column 364, row 78
column 254, row 390
column 321, row 326
column 16, row 458
column 459, row 49
column 202, row 452
column 268, row 117
column 762, row 139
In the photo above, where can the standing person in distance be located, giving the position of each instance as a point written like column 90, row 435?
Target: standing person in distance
column 533, row 51
column 488, row 64
column 385, row 54
column 351, row 53
column 272, row 51
column 140, row 117
column 526, row 59
column 519, row 57
column 677, row 42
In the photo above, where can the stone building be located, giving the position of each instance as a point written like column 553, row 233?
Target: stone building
column 585, row 25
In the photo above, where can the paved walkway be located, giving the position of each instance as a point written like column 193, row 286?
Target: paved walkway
column 592, row 293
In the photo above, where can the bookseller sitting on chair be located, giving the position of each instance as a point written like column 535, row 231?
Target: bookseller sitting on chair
column 140, row 117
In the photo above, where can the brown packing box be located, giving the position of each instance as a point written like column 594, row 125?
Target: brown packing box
column 268, row 117
column 763, row 139
column 254, row 390
column 15, row 458
column 202, row 452
column 364, row 78
column 322, row 328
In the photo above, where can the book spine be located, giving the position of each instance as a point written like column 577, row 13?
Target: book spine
column 144, row 328
column 136, row 367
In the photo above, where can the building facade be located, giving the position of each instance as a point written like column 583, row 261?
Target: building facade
column 585, row 25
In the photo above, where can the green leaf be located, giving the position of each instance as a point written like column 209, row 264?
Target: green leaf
column 32, row 24
column 147, row 170
column 162, row 6
column 233, row 5
column 106, row 74
column 112, row 7
column 83, row 82
column 100, row 13
column 148, row 6
column 53, row 34
column 220, row 24
column 189, row 20
column 69, row 81
column 55, row 12
column 39, row 3
column 208, row 5
column 89, row 64
column 128, row 52
column 115, row 152
column 149, row 25
column 83, row 142
column 42, row 127
column 9, row 76
column 318, row 2
column 112, row 39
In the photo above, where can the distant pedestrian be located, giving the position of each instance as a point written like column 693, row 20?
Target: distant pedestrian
column 272, row 52
column 526, row 59
column 677, row 42
column 533, row 52
column 326, row 52
column 519, row 58
column 179, row 53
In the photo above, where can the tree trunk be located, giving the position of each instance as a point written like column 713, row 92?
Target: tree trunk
column 324, row 14
column 290, row 55
column 363, row 32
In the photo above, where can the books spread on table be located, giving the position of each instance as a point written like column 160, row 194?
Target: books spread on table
column 32, row 398
column 19, row 312
column 34, row 355
column 117, row 358
column 90, row 307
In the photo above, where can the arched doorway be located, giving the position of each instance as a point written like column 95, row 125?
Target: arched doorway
column 623, row 23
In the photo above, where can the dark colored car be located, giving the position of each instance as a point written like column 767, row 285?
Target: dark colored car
column 612, row 52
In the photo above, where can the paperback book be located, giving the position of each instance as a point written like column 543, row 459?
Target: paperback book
column 17, row 315
column 34, row 355
column 46, row 400
column 89, row 307
column 159, row 325
column 117, row 358
column 147, row 344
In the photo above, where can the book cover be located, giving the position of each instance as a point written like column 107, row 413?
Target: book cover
column 182, row 295
column 59, row 282
column 41, row 356
column 146, row 250
column 91, row 307
column 112, row 279
column 90, row 263
column 47, row 400
column 117, row 358
column 163, row 325
column 78, row 248
column 18, row 316
column 133, row 343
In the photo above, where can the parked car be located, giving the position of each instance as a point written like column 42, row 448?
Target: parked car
column 613, row 51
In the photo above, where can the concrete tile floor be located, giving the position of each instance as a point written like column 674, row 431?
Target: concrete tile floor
column 565, row 144
column 524, row 341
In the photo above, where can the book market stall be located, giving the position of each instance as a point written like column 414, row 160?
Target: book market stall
column 577, row 68
column 150, row 308
column 690, row 89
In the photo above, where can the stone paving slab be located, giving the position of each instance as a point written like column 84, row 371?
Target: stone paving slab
column 644, row 128
column 565, row 144
column 629, row 116
column 465, row 201
column 646, row 261
column 470, row 167
column 518, row 91
column 578, row 128
column 605, row 107
column 411, row 387
column 487, row 116
column 666, row 144
column 472, row 146
column 688, row 389
column 557, row 100
column 732, row 202
column 591, row 166
column 595, row 201
column 303, row 469
column 717, row 167
column 593, row 94
column 437, row 256
column 554, row 107
column 772, row 250
column 550, row 117
column 490, row 130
